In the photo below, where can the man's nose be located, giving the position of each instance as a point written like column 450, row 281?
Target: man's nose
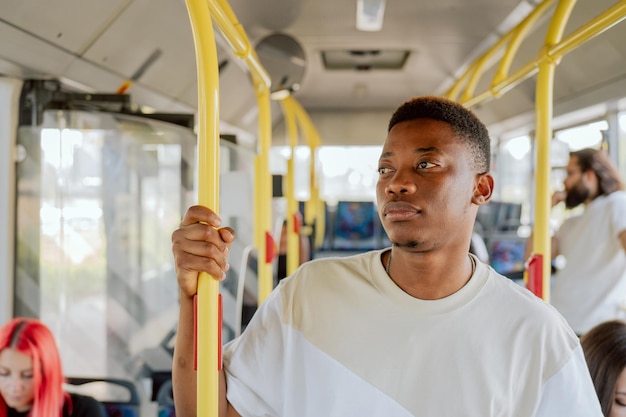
column 401, row 183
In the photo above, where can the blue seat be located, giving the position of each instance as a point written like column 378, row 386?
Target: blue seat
column 165, row 400
column 167, row 411
column 128, row 407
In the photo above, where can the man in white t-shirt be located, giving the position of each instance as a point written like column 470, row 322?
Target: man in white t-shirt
column 420, row 329
column 591, row 287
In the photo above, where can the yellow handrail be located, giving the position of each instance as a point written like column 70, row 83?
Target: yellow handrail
column 208, row 348
column 235, row 35
column 543, row 109
column 293, row 240
column 238, row 40
column 296, row 117
column 314, row 208
column 208, row 315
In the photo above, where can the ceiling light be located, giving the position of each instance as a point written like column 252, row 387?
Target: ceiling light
column 369, row 15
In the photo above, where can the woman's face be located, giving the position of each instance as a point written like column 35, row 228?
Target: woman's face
column 618, row 409
column 16, row 379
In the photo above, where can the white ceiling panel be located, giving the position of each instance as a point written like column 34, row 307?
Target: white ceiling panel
column 145, row 27
column 37, row 57
column 71, row 24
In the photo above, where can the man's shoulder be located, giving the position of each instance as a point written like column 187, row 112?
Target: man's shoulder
column 528, row 314
column 518, row 297
column 615, row 198
column 618, row 197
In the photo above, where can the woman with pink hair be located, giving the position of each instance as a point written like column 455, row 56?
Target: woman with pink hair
column 31, row 377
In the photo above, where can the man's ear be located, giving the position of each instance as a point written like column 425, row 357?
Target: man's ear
column 590, row 175
column 483, row 189
column 592, row 181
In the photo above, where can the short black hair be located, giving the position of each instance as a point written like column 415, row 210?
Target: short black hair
column 462, row 121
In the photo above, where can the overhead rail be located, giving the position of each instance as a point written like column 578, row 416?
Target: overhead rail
column 237, row 39
column 555, row 46
column 507, row 46
column 502, row 81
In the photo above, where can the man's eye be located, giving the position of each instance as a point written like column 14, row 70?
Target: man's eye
column 424, row 165
column 383, row 170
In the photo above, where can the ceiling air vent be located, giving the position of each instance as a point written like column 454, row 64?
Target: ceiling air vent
column 365, row 59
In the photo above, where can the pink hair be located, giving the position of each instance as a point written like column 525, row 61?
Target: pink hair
column 32, row 338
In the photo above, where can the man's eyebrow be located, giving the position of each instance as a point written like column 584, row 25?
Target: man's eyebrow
column 417, row 151
column 426, row 150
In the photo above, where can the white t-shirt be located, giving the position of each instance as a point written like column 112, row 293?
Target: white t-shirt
column 592, row 286
column 339, row 338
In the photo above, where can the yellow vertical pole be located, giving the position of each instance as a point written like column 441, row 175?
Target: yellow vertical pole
column 208, row 327
column 264, row 194
column 543, row 109
column 314, row 207
column 311, row 207
column 293, row 240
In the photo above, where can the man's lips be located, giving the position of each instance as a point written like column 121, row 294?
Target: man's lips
column 398, row 211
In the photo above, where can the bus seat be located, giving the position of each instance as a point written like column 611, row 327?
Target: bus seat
column 165, row 400
column 166, row 411
column 119, row 397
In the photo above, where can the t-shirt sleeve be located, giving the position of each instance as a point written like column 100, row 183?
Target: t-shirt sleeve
column 253, row 362
column 86, row 406
column 618, row 214
column 570, row 391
